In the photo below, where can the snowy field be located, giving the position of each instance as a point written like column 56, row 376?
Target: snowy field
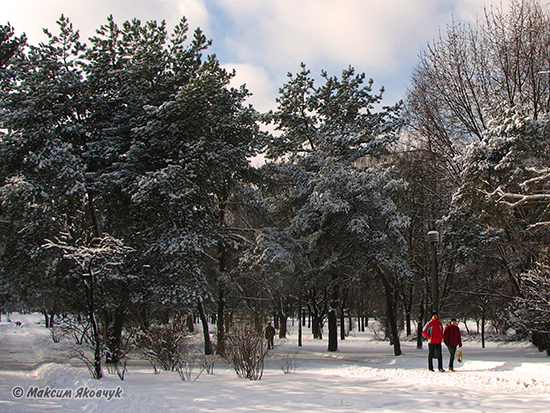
column 362, row 376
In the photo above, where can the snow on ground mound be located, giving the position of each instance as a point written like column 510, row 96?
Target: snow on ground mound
column 61, row 376
column 473, row 375
column 363, row 375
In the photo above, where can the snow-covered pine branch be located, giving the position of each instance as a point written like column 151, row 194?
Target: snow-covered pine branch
column 107, row 249
column 515, row 199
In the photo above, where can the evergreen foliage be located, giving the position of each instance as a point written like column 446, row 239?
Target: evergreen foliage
column 136, row 138
column 127, row 194
column 344, row 217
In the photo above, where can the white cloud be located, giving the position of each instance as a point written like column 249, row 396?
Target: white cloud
column 367, row 31
column 264, row 39
column 382, row 39
column 31, row 16
column 472, row 10
column 257, row 82
column 195, row 11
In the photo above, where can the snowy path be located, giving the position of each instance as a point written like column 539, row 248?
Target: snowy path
column 28, row 346
column 362, row 376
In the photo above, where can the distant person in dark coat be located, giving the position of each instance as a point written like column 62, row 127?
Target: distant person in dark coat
column 433, row 331
column 269, row 334
column 452, row 338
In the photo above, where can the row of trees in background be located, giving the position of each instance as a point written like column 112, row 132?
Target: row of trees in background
column 128, row 197
column 478, row 106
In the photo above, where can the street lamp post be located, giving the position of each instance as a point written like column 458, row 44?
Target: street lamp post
column 433, row 238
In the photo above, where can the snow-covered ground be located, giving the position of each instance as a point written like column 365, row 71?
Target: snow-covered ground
column 362, row 376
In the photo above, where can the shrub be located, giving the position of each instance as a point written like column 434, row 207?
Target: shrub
column 167, row 346
column 246, row 349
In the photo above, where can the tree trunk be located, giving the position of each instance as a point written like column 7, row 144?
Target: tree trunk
column 333, row 316
column 205, row 331
column 420, row 325
column 300, row 320
column 222, row 267
column 95, row 328
column 483, row 328
column 332, row 330
column 342, row 324
column 97, row 352
column 466, row 326
column 113, row 330
column 46, row 317
column 220, row 322
column 283, row 318
column 49, row 316
column 390, row 310
column 191, row 322
column 393, row 326
column 316, row 324
column 91, row 304
column 408, row 307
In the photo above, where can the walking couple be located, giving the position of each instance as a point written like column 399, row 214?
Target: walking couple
column 435, row 333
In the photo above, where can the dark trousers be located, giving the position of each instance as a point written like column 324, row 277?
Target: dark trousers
column 452, row 354
column 434, row 350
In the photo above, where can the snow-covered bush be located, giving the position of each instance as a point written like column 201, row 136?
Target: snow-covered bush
column 288, row 362
column 246, row 349
column 167, row 347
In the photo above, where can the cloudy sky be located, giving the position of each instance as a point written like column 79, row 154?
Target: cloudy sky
column 265, row 39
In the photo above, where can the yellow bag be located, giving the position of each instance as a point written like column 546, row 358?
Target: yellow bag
column 459, row 355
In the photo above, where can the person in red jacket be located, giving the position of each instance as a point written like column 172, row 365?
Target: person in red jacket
column 433, row 331
column 452, row 338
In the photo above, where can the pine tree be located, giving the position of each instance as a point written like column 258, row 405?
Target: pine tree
column 344, row 215
column 134, row 138
column 43, row 175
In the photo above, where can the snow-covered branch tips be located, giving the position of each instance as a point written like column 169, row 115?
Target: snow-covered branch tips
column 105, row 252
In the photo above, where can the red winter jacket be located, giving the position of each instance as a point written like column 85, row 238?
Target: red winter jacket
column 452, row 336
column 433, row 331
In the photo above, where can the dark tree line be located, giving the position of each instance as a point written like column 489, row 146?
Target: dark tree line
column 128, row 197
